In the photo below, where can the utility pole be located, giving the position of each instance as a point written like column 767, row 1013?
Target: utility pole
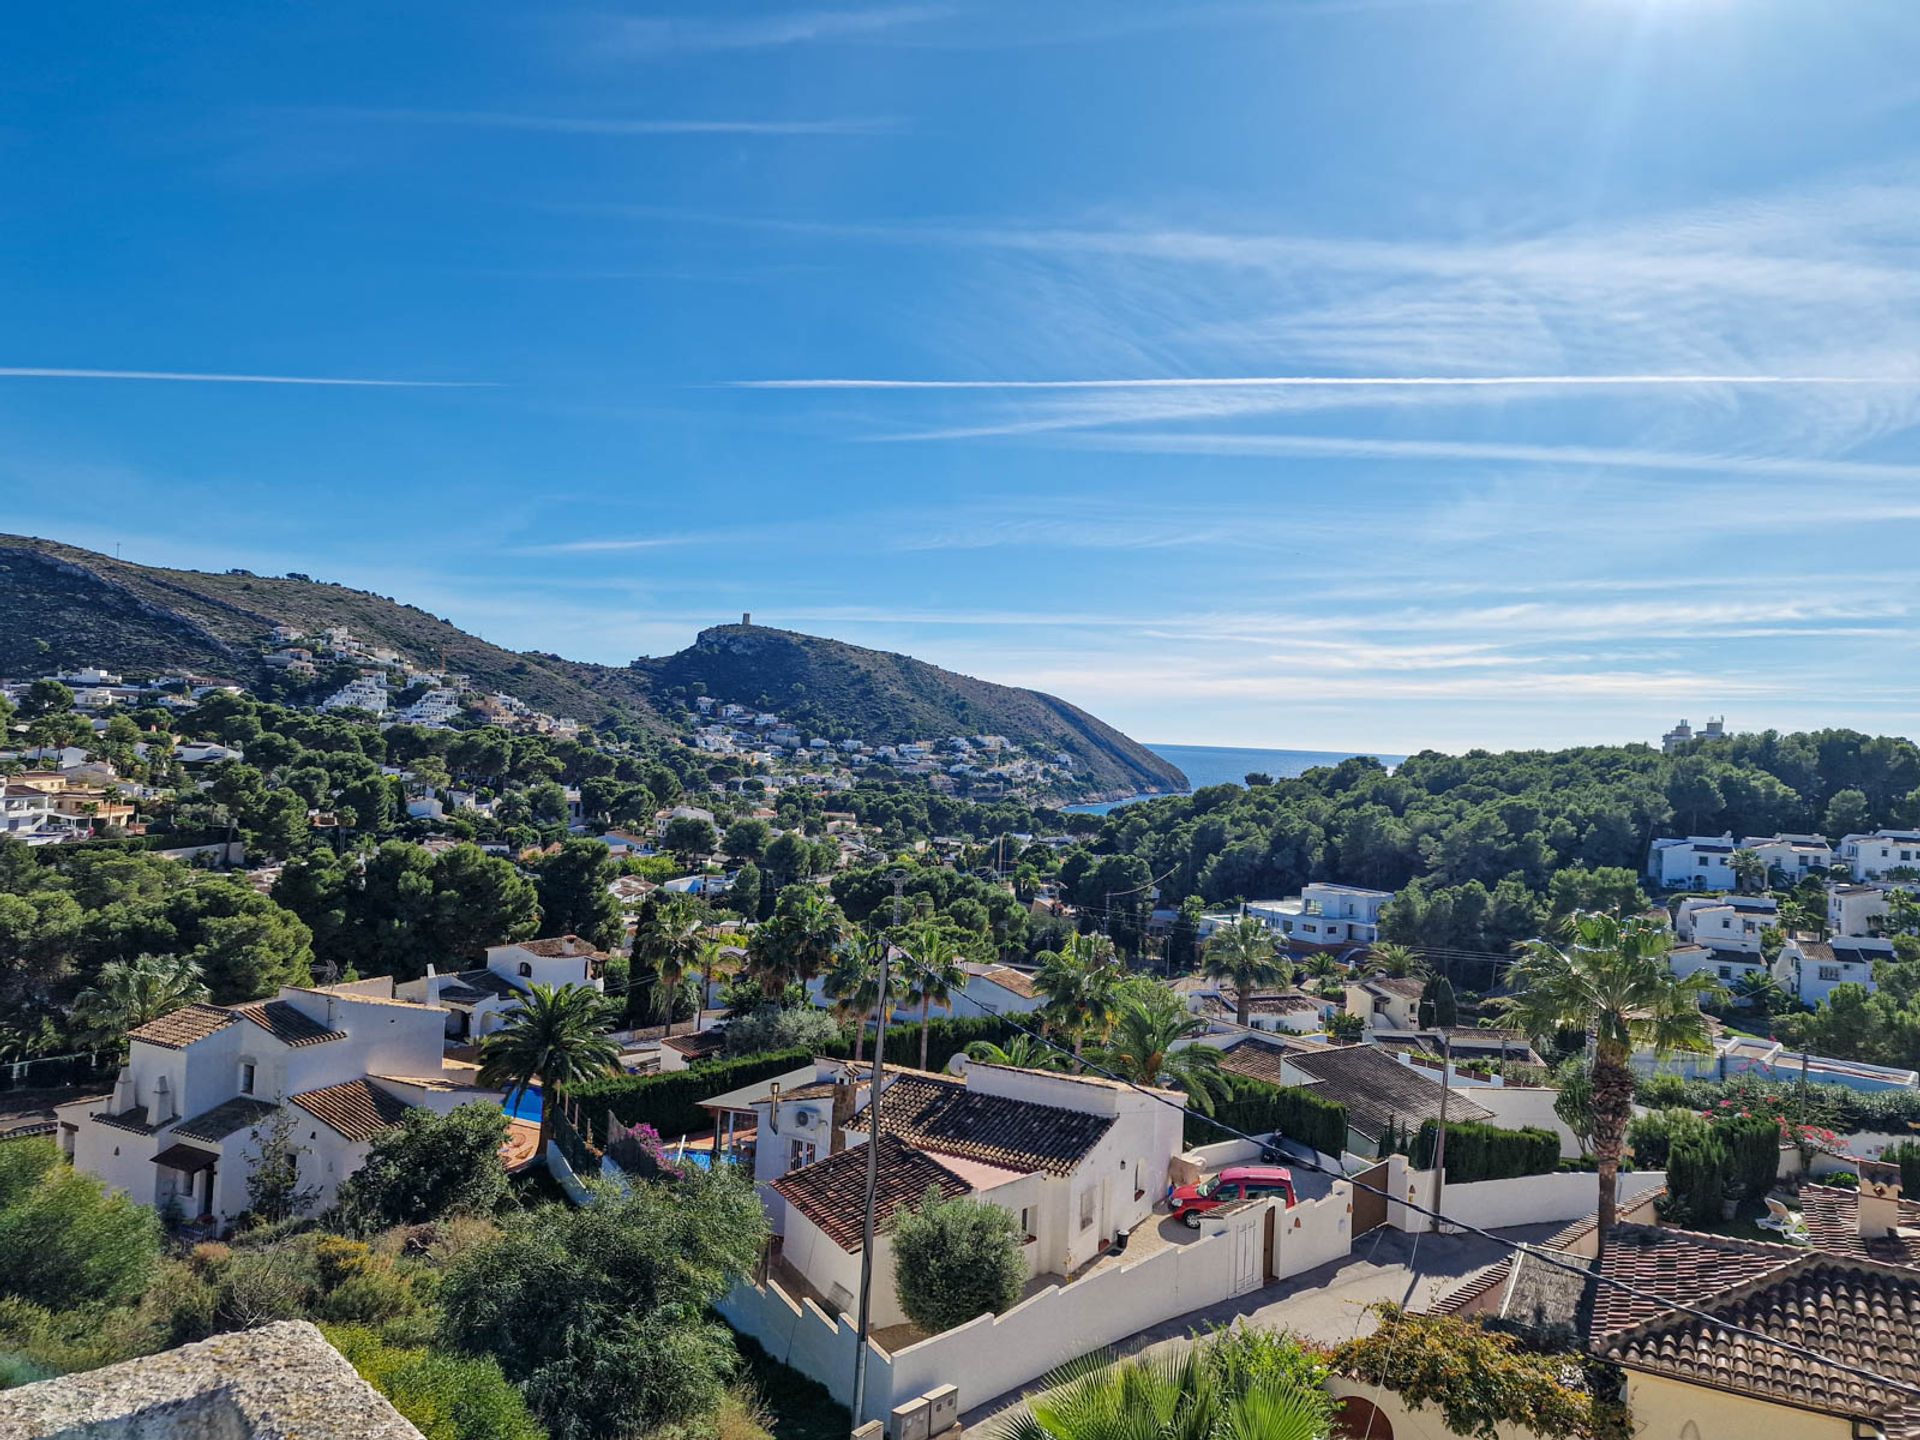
column 899, row 878
column 1440, row 1133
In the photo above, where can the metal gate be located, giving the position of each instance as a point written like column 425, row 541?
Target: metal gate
column 1369, row 1205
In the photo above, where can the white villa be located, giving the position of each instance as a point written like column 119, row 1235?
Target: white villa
column 1323, row 916
column 1873, row 856
column 1730, row 922
column 1697, row 862
column 1726, row 963
column 1077, row 1159
column 346, row 1062
column 1855, row 910
column 476, row 1001
column 1386, row 1003
column 1809, row 970
column 1794, row 856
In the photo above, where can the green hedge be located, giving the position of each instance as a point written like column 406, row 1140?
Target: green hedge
column 1906, row 1154
column 947, row 1036
column 1259, row 1107
column 1478, row 1151
column 1697, row 1172
column 671, row 1103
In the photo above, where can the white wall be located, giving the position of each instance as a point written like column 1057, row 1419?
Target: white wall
column 1522, row 1200
column 1515, row 1107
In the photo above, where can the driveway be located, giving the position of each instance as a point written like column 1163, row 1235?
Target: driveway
column 1327, row 1304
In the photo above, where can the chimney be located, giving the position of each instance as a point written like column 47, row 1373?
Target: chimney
column 844, row 1092
column 1879, row 1212
column 161, row 1112
column 773, row 1112
column 123, row 1090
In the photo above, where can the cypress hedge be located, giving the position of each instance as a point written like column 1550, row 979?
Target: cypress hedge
column 1697, row 1170
column 1478, row 1151
column 1259, row 1107
column 1753, row 1155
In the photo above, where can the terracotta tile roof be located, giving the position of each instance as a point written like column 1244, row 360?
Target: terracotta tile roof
column 1832, row 1218
column 1474, row 1287
column 701, row 1045
column 183, row 1027
column 832, row 1192
column 286, row 1024
column 1854, row 1310
column 946, row 1117
column 1403, row 986
column 1006, row 977
column 1258, row 1058
column 358, row 1109
column 1376, row 1088
column 1678, row 1266
column 557, row 947
column 242, row 1112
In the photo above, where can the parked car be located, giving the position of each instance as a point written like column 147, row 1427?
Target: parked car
column 1236, row 1182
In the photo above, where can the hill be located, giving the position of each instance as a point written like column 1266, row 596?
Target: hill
column 831, row 688
column 69, row 607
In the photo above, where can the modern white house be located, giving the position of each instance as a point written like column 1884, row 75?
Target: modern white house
column 1794, row 856
column 1693, row 862
column 1729, row 922
column 1386, row 1003
column 366, row 692
column 1875, row 856
column 476, row 1001
column 1323, row 916
column 1855, row 910
column 345, row 1062
column 1077, row 1159
column 1809, row 970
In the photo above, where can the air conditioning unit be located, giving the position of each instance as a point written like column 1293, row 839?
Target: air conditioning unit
column 805, row 1117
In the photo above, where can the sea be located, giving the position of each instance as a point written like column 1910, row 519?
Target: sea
column 1227, row 765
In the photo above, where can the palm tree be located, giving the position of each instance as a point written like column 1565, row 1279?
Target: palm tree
column 934, row 951
column 1183, row 1396
column 1321, row 966
column 1151, row 1021
column 667, row 941
column 852, row 982
column 556, row 1035
column 1393, row 959
column 1244, row 953
column 797, row 943
column 128, row 993
column 1749, row 869
column 1022, row 1052
column 1080, row 980
column 1611, row 979
column 713, row 960
column 1764, row 993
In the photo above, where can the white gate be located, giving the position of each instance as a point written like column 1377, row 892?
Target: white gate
column 1249, row 1232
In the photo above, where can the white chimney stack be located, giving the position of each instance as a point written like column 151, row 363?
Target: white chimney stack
column 1879, row 1204
column 161, row 1112
column 123, row 1090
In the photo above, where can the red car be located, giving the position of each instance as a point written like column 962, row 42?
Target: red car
column 1236, row 1182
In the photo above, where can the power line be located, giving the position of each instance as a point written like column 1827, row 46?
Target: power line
column 1544, row 1257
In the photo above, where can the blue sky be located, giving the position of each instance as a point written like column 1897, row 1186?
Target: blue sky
column 1610, row 310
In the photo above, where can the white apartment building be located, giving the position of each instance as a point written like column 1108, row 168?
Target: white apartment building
column 1695, row 862
column 436, row 709
column 1323, row 916
column 1809, row 969
column 1873, row 856
column 1725, row 922
column 345, row 1062
column 1794, row 856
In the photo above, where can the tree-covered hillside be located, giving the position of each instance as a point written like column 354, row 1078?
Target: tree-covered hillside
column 1475, row 841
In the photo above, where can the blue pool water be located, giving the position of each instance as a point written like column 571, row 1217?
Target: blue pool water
column 524, row 1104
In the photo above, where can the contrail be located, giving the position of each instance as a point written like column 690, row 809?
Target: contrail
column 34, row 372
column 1280, row 382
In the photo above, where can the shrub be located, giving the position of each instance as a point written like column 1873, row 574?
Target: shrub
column 63, row 1235
column 1697, row 1173
column 1477, row 1151
column 955, row 1260
column 1652, row 1137
column 37, row 1343
column 429, row 1166
column 1906, row 1154
column 446, row 1397
column 1258, row 1107
column 1753, row 1154
column 772, row 1029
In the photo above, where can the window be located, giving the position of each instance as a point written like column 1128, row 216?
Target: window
column 1829, row 972
column 1726, row 972
column 799, row 1153
column 526, row 968
column 246, row 1077
column 1086, row 1207
column 1026, row 1221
